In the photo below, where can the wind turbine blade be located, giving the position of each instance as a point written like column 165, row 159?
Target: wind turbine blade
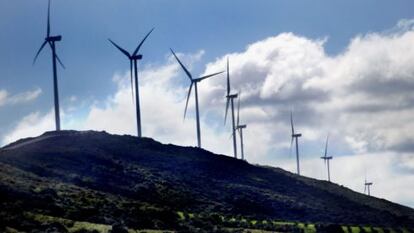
column 365, row 188
column 38, row 52
column 238, row 110
column 132, row 81
column 291, row 123
column 182, row 66
column 365, row 176
column 291, row 144
column 208, row 76
column 188, row 97
column 227, row 108
column 48, row 20
column 120, row 49
column 60, row 62
column 140, row 44
column 326, row 145
column 228, row 77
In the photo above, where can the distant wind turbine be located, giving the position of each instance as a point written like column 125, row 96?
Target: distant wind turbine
column 295, row 137
column 230, row 99
column 133, row 66
column 51, row 40
column 326, row 158
column 240, row 128
column 194, row 82
column 367, row 186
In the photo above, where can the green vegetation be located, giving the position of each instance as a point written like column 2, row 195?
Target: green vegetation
column 367, row 229
column 181, row 215
column 378, row 229
column 69, row 225
column 310, row 228
column 355, row 230
column 230, row 224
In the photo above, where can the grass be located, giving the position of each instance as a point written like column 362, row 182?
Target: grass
column 75, row 226
column 301, row 225
column 355, row 230
column 89, row 226
column 345, row 229
column 310, row 228
column 378, row 229
column 148, row 231
column 11, row 230
column 181, row 215
column 71, row 226
column 281, row 223
column 307, row 228
column 367, row 229
column 255, row 231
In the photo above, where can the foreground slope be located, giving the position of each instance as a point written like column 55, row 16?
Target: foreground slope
column 102, row 178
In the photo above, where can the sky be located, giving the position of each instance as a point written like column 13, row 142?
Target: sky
column 345, row 68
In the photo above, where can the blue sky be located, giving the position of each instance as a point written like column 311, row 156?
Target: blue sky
column 203, row 32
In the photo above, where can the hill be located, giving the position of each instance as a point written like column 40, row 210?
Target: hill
column 62, row 179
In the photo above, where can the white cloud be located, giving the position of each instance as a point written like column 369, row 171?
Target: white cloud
column 31, row 125
column 364, row 95
column 24, row 97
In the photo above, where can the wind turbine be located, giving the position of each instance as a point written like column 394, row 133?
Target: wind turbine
column 326, row 158
column 367, row 186
column 51, row 40
column 133, row 66
column 194, row 82
column 295, row 137
column 230, row 99
column 240, row 129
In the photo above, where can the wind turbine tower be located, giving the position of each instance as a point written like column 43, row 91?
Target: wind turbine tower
column 326, row 158
column 367, row 186
column 240, row 128
column 295, row 137
column 51, row 40
column 194, row 82
column 230, row 100
column 133, row 66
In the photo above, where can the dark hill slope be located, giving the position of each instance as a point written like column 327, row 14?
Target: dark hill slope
column 103, row 178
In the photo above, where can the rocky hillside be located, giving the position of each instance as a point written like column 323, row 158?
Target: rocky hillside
column 113, row 180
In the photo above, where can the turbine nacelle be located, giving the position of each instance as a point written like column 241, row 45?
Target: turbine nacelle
column 53, row 38
column 136, row 57
column 326, row 157
column 296, row 135
column 232, row 96
column 241, row 126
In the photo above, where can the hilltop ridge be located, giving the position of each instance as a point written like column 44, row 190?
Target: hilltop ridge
column 105, row 179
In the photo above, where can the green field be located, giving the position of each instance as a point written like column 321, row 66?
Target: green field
column 226, row 223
